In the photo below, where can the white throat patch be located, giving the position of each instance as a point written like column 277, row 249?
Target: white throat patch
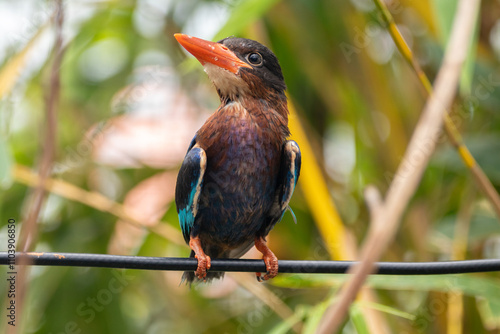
column 227, row 82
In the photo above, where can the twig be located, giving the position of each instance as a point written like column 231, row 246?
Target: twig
column 411, row 168
column 24, row 175
column 453, row 134
column 28, row 236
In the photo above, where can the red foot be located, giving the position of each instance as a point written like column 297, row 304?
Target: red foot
column 269, row 258
column 203, row 259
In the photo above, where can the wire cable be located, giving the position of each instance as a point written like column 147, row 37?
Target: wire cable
column 245, row 265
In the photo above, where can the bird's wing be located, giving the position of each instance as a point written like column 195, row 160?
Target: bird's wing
column 290, row 171
column 188, row 187
column 287, row 180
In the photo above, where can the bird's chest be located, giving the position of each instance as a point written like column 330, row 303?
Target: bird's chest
column 243, row 160
column 244, row 155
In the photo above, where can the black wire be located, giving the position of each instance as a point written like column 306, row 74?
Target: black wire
column 244, row 265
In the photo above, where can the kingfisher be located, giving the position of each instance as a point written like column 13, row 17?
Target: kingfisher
column 240, row 171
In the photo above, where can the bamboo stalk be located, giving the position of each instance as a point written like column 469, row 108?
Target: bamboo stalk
column 454, row 135
column 455, row 311
column 318, row 197
column 385, row 219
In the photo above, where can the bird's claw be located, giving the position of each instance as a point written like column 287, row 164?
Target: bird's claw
column 203, row 265
column 271, row 262
column 271, row 265
column 203, row 259
column 269, row 258
column 265, row 277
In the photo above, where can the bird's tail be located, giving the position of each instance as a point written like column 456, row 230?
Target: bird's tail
column 189, row 277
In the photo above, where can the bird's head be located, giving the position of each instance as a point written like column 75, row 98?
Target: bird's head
column 238, row 67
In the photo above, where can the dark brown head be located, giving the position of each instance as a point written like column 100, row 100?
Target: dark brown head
column 238, row 67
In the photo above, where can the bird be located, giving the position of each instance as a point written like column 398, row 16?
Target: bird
column 240, row 170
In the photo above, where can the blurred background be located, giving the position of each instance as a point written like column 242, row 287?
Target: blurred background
column 130, row 101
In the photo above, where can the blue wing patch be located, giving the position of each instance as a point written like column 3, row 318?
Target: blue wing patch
column 188, row 187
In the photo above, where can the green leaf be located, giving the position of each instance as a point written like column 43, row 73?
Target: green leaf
column 287, row 325
column 315, row 314
column 470, row 285
column 244, row 13
column 484, row 146
column 482, row 226
column 490, row 312
column 467, row 74
column 356, row 314
column 5, row 165
column 387, row 309
column 444, row 13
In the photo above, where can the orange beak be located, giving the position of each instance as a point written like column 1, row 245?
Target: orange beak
column 211, row 52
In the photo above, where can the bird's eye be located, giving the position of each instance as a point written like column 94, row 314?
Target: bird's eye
column 255, row 59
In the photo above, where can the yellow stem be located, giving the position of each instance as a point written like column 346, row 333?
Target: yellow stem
column 316, row 193
column 455, row 137
column 24, row 175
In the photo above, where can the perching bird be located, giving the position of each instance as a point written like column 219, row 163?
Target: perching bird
column 240, row 170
